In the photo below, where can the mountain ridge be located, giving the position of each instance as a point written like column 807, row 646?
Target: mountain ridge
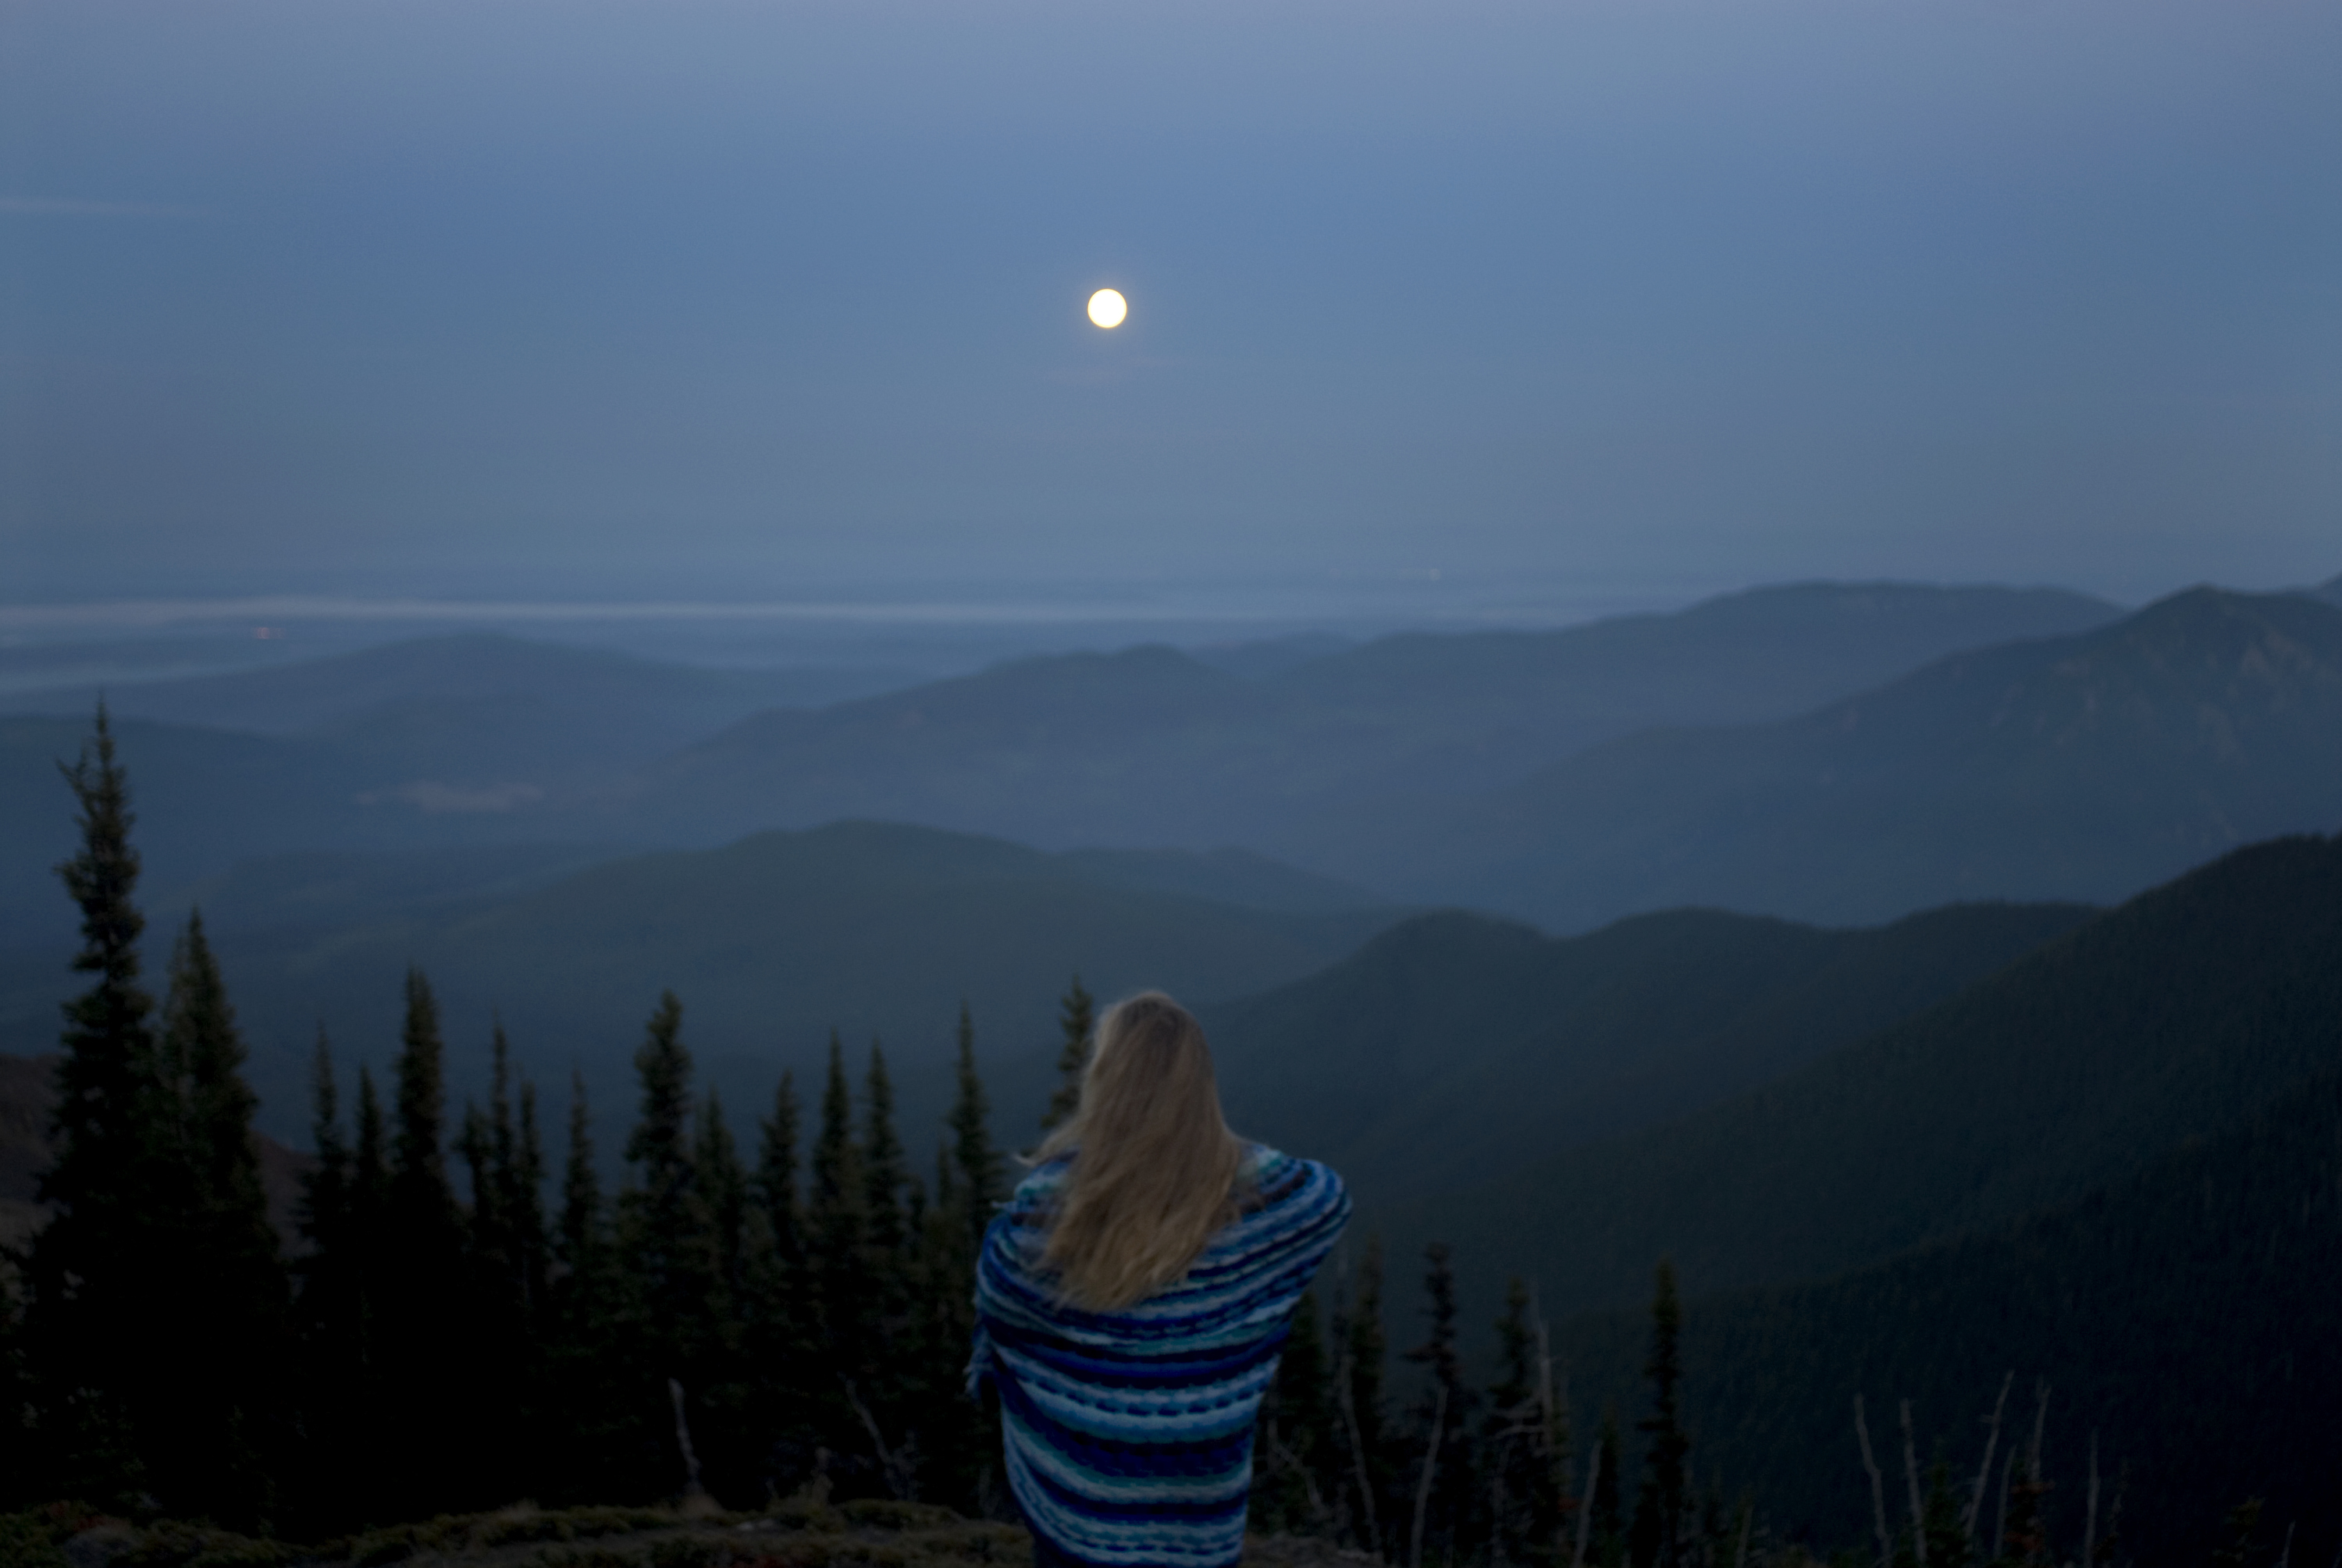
column 2080, row 768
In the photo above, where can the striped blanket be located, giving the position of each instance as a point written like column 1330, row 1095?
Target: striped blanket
column 1128, row 1434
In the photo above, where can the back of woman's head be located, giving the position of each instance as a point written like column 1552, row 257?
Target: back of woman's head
column 1154, row 1165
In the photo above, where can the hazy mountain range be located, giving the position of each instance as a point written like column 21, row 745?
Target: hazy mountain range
column 2085, row 766
column 478, row 740
column 1833, row 753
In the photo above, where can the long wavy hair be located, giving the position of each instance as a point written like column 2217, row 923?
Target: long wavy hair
column 1155, row 1166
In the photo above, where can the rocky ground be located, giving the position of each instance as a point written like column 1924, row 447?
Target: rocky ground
column 796, row 1533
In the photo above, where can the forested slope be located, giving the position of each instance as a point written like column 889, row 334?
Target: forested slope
column 2188, row 1318
column 2178, row 1015
column 1454, row 1047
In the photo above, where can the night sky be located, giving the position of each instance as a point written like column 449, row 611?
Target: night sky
column 1567, row 303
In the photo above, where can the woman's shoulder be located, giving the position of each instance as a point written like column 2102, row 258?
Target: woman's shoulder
column 1037, row 1193
column 1275, row 1178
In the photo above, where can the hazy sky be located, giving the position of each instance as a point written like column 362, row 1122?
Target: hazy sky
column 527, row 300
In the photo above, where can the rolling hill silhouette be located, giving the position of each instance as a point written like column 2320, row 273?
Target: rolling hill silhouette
column 771, row 942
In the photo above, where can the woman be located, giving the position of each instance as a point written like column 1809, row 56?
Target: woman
column 1132, row 1300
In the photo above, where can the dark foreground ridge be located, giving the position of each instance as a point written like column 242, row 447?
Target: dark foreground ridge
column 798, row 1532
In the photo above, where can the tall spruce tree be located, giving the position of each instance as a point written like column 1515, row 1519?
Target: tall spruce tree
column 885, row 1175
column 837, row 1231
column 729, row 1422
column 888, row 1384
column 725, row 1187
column 1446, row 1485
column 97, row 1318
column 1076, row 1021
column 1656, row 1535
column 837, row 1266
column 329, row 1317
column 594, row 1438
column 425, row 1394
column 776, row 1175
column 230, row 1411
column 980, row 1176
column 664, row 1223
column 1525, row 1440
column 1606, row 1527
column 426, row 1230
column 506, row 1275
column 779, row 1326
column 520, row 1174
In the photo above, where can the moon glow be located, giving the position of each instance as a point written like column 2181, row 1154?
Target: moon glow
column 1108, row 307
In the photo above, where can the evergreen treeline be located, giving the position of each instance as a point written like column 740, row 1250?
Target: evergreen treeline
column 458, row 1329
column 461, row 1327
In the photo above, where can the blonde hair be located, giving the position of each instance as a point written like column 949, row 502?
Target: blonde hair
column 1154, row 1165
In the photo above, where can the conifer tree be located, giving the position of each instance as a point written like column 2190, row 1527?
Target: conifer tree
column 579, row 1248
column 723, row 1182
column 1940, row 1523
column 665, row 1224
column 837, row 1234
column 1657, row 1529
column 521, row 1177
column 507, row 1241
column 1526, row 1442
column 229, row 1407
column 329, row 1313
column 777, row 1176
column 592, row 1448
column 1077, row 1021
column 97, row 1303
column 888, row 1380
column 778, row 1321
column 369, row 1207
column 838, row 1265
column 425, row 1228
column 886, row 1177
column 978, row 1172
column 1607, row 1528
column 424, row 1392
column 1440, row 1515
column 728, row 1420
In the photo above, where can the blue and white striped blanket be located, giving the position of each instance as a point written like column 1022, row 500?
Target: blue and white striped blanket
column 1128, row 1434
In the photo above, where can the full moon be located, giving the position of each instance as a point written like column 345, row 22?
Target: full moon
column 1108, row 307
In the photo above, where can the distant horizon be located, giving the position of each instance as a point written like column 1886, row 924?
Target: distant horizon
column 1429, row 598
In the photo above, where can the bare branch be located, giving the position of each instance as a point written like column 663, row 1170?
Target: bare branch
column 1975, row 1513
column 1586, row 1511
column 691, row 1487
column 2090, row 1530
column 1357, row 1449
column 894, row 1465
column 1878, row 1484
column 1911, row 1479
column 1423, row 1487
